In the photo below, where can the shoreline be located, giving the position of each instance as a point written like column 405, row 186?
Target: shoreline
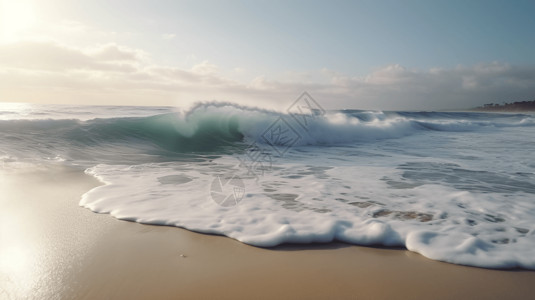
column 52, row 248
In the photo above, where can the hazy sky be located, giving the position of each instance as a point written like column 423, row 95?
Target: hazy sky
column 415, row 55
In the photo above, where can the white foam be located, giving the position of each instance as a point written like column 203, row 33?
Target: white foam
column 353, row 204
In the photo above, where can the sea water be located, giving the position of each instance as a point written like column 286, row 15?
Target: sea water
column 453, row 186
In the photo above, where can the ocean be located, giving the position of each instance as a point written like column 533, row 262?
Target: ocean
column 457, row 187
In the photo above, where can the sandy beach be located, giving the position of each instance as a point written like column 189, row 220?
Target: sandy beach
column 267, row 149
column 50, row 248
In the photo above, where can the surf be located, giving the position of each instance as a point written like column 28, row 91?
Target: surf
column 213, row 127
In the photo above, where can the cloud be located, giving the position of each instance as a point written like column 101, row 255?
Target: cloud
column 205, row 68
column 51, row 56
column 47, row 71
column 168, row 36
column 113, row 52
column 397, row 87
column 41, row 71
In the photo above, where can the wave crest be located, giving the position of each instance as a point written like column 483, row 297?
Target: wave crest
column 209, row 127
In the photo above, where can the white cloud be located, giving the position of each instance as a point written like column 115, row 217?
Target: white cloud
column 46, row 71
column 114, row 52
column 395, row 87
column 168, row 36
column 205, row 68
column 51, row 56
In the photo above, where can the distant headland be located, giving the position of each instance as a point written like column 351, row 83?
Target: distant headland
column 513, row 106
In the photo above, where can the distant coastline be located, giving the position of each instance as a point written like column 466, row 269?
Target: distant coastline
column 519, row 106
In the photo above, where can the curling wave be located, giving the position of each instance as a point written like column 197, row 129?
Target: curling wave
column 216, row 127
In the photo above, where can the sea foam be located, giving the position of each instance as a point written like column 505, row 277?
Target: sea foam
column 345, row 204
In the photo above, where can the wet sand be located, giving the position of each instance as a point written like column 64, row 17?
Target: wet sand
column 50, row 248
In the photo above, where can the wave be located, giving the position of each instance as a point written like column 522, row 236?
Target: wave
column 212, row 127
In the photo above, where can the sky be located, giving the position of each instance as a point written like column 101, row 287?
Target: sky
column 388, row 55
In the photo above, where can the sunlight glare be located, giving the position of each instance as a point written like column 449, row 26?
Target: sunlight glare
column 15, row 17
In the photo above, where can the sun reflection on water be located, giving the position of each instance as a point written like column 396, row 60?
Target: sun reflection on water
column 9, row 111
